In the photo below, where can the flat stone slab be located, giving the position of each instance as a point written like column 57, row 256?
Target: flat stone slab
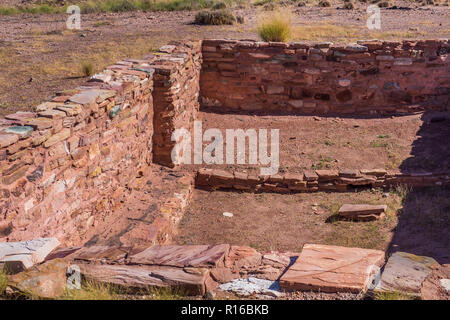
column 333, row 269
column 190, row 280
column 252, row 285
column 182, row 256
column 405, row 273
column 22, row 255
column 362, row 211
column 102, row 253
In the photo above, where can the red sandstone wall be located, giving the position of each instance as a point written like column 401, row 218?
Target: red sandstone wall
column 176, row 96
column 70, row 159
column 371, row 77
column 66, row 164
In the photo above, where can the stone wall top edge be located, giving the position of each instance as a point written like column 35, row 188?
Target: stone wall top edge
column 249, row 43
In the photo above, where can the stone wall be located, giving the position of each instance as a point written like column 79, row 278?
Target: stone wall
column 176, row 95
column 67, row 160
column 316, row 180
column 73, row 157
column 371, row 77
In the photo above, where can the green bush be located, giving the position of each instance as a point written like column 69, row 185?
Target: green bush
column 275, row 27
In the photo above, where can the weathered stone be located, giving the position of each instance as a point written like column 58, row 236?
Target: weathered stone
column 362, row 211
column 46, row 281
column 23, row 255
column 22, row 131
column 327, row 174
column 15, row 173
column 92, row 96
column 102, row 254
column 223, row 275
column 39, row 123
column 242, row 257
column 54, row 139
column 52, row 114
column 182, row 256
column 405, row 273
column 131, row 277
column 7, row 139
column 310, row 175
column 333, row 269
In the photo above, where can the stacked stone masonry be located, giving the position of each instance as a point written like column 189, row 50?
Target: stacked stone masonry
column 370, row 77
column 316, row 180
column 74, row 156
column 176, row 96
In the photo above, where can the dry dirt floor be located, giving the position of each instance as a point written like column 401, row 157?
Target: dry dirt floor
column 409, row 143
column 416, row 221
column 39, row 56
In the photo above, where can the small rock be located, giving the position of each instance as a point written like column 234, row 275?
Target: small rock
column 446, row 284
column 227, row 214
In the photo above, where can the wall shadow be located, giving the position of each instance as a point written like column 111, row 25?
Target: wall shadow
column 424, row 221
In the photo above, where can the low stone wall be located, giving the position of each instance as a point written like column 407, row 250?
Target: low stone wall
column 176, row 95
column 75, row 155
column 371, row 77
column 315, row 180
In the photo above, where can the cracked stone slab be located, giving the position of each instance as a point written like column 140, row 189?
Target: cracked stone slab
column 182, row 256
column 405, row 273
column 18, row 256
column 190, row 280
column 333, row 269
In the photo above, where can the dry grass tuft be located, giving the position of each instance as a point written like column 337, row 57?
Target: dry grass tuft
column 87, row 68
column 275, row 26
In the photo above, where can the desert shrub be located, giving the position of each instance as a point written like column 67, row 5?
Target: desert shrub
column 87, row 69
column 275, row 27
column 215, row 17
column 349, row 6
column 384, row 4
column 324, row 3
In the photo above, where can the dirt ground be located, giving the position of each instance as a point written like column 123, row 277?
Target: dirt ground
column 39, row 56
column 416, row 222
column 409, row 143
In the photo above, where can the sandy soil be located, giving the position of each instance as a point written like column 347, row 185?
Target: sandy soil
column 409, row 143
column 417, row 221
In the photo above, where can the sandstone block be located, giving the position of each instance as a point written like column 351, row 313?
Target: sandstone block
column 333, row 269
